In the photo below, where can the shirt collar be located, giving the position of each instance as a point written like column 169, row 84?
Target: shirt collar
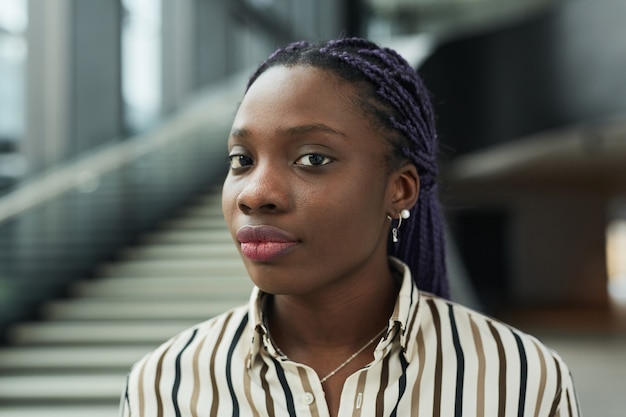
column 404, row 317
column 258, row 330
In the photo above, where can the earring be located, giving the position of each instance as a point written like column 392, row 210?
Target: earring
column 404, row 214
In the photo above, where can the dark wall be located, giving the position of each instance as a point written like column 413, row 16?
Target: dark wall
column 562, row 67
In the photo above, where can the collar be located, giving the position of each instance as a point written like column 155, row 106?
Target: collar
column 404, row 319
column 406, row 314
column 259, row 335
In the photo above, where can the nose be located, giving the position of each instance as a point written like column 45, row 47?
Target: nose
column 265, row 190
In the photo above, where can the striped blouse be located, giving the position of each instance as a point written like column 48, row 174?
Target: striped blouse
column 436, row 359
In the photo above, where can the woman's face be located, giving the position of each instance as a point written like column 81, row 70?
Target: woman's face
column 307, row 193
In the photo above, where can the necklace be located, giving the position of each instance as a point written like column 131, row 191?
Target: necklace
column 354, row 355
column 346, row 362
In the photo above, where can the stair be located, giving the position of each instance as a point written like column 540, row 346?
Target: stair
column 74, row 361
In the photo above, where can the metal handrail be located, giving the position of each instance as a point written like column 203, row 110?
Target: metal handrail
column 213, row 106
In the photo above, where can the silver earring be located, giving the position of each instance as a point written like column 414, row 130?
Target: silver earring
column 404, row 214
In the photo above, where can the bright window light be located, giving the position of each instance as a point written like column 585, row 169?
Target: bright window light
column 13, row 54
column 616, row 260
column 141, row 62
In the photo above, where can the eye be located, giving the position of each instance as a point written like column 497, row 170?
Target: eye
column 313, row 160
column 239, row 161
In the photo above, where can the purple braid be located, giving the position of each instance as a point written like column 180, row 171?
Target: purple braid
column 400, row 104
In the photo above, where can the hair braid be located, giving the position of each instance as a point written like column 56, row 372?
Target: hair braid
column 396, row 95
column 402, row 107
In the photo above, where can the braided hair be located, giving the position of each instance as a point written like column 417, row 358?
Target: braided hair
column 392, row 93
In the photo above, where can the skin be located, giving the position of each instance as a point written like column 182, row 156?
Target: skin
column 305, row 159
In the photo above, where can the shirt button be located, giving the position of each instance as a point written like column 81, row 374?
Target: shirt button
column 308, row 398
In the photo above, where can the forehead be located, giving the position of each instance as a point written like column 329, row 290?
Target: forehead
column 295, row 94
column 298, row 79
column 287, row 106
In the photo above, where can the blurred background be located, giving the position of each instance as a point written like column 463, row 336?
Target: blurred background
column 113, row 121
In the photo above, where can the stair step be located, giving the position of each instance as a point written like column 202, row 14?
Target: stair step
column 52, row 410
column 182, row 251
column 85, row 388
column 106, row 309
column 100, row 332
column 149, row 287
column 203, row 210
column 76, row 359
column 187, row 236
column 174, row 267
column 205, row 224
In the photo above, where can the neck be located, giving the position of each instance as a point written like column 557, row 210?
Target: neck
column 341, row 318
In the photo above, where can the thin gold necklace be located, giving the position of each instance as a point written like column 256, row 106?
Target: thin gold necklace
column 346, row 362
column 354, row 355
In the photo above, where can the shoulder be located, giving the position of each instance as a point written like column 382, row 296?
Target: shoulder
column 497, row 359
column 489, row 343
column 173, row 368
column 212, row 334
column 472, row 324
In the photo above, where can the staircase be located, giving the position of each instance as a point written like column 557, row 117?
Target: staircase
column 74, row 361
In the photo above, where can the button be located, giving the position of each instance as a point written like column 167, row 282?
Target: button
column 308, row 398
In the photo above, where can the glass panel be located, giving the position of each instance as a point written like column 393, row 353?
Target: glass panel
column 13, row 53
column 141, row 63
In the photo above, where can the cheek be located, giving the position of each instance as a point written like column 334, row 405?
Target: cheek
column 353, row 207
column 229, row 201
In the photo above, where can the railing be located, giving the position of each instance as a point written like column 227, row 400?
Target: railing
column 55, row 228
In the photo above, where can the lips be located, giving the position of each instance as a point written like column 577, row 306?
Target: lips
column 265, row 243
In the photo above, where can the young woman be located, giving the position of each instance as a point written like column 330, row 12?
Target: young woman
column 331, row 199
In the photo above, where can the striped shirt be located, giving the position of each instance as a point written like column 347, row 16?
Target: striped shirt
column 436, row 359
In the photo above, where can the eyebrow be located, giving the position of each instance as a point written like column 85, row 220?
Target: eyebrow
column 243, row 132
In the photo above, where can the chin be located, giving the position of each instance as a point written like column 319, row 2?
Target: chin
column 266, row 280
column 275, row 285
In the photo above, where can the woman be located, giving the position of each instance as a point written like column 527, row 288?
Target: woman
column 332, row 170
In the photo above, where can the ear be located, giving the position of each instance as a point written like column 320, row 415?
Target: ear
column 404, row 186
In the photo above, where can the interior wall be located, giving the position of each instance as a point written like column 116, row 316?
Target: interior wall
column 558, row 246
